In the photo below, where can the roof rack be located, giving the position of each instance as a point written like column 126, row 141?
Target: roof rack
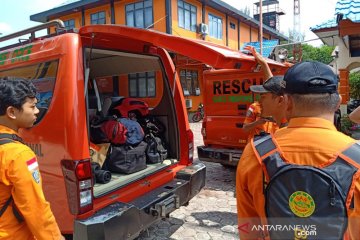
column 57, row 23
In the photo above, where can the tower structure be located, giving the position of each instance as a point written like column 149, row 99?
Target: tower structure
column 270, row 13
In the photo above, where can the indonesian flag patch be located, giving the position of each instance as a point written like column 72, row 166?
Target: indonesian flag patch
column 33, row 167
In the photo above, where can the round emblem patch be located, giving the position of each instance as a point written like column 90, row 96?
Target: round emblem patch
column 301, row 204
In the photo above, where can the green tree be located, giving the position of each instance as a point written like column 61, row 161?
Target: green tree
column 321, row 54
column 354, row 83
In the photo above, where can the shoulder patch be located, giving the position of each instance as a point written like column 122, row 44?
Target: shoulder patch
column 36, row 175
column 32, row 164
column 33, row 167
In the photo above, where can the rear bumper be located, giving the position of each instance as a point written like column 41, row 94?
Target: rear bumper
column 219, row 155
column 127, row 220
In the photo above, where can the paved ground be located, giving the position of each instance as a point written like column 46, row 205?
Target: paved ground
column 210, row 215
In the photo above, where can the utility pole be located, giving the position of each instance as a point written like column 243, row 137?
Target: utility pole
column 297, row 51
column 296, row 26
column 261, row 27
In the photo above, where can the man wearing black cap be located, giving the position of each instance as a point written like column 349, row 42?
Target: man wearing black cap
column 262, row 116
column 265, row 194
column 269, row 113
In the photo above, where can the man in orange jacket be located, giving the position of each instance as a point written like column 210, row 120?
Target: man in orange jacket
column 310, row 139
column 262, row 115
column 267, row 115
column 24, row 212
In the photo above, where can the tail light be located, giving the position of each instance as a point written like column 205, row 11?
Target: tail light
column 78, row 183
column 190, row 137
column 203, row 129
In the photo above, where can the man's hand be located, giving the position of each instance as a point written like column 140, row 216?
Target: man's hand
column 268, row 118
column 258, row 57
column 261, row 61
column 250, row 49
column 261, row 121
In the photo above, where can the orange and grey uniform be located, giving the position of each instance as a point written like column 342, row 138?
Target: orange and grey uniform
column 20, row 178
column 253, row 114
column 306, row 141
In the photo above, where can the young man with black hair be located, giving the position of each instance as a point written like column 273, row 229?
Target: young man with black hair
column 263, row 116
column 25, row 214
column 278, row 176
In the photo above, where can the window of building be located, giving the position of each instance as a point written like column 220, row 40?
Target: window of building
column 98, row 18
column 187, row 16
column 69, row 24
column 189, row 82
column 140, row 14
column 215, row 26
column 142, row 85
column 354, row 45
column 232, row 25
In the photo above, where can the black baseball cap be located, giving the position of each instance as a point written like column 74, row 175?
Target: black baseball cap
column 310, row 77
column 272, row 85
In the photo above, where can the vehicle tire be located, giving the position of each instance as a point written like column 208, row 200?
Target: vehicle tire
column 68, row 236
column 228, row 166
column 196, row 117
column 337, row 121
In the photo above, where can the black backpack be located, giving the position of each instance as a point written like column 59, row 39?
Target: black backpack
column 155, row 151
column 125, row 158
column 307, row 202
column 4, row 139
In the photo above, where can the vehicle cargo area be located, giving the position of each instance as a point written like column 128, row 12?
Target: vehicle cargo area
column 130, row 89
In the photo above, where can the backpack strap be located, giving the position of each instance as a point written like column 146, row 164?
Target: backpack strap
column 353, row 152
column 345, row 168
column 7, row 203
column 4, row 139
column 268, row 154
column 11, row 137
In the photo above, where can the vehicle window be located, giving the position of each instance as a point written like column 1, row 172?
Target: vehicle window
column 120, row 74
column 43, row 75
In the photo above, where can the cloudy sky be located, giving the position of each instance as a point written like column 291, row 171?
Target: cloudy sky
column 15, row 13
column 312, row 12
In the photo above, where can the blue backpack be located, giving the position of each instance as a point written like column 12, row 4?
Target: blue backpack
column 135, row 133
column 306, row 202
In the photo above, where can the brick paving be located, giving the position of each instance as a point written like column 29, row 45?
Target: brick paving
column 210, row 215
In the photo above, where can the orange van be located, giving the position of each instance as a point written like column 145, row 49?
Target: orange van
column 76, row 73
column 227, row 97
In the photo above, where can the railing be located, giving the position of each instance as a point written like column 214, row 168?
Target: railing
column 57, row 23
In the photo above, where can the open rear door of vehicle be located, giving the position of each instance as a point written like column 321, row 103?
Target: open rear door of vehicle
column 217, row 56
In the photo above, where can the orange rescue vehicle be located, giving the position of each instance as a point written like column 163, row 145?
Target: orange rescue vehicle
column 227, row 97
column 75, row 72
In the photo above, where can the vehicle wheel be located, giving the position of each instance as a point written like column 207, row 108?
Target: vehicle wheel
column 196, row 117
column 228, row 166
column 68, row 236
column 337, row 121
